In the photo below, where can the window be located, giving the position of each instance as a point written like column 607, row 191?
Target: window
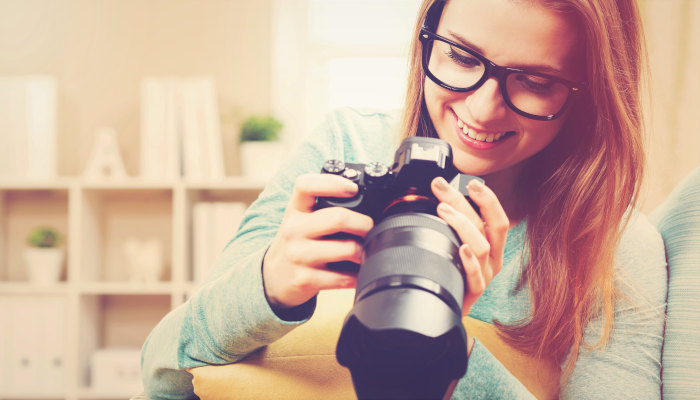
column 335, row 53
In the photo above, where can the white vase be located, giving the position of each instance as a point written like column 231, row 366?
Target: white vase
column 44, row 265
column 260, row 160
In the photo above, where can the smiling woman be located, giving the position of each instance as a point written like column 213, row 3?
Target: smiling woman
column 536, row 97
column 544, row 170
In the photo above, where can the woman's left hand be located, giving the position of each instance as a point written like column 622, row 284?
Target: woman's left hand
column 483, row 240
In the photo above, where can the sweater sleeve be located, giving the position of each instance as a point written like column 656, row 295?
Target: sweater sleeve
column 228, row 317
column 629, row 366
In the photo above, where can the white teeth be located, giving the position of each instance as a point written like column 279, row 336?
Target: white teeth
column 482, row 137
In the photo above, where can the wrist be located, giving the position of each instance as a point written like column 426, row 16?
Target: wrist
column 272, row 301
column 298, row 313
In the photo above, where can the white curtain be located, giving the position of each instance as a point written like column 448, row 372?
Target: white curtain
column 673, row 114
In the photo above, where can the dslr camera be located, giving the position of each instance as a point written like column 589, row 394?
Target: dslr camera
column 404, row 336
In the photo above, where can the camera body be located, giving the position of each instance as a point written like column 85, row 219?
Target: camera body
column 383, row 190
column 404, row 337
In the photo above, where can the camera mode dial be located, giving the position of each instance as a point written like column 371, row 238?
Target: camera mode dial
column 376, row 173
column 335, row 167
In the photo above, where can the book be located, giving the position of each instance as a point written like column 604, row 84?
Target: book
column 214, row 225
column 180, row 129
column 28, row 127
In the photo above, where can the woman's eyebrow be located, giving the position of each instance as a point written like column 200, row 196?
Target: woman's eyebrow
column 464, row 42
column 543, row 68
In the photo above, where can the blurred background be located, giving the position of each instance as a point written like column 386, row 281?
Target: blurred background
column 102, row 103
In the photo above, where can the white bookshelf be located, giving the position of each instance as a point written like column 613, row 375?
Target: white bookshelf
column 95, row 305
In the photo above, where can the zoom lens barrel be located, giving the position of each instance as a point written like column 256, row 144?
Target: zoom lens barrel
column 404, row 336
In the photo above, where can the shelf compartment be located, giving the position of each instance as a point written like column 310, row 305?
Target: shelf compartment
column 212, row 217
column 33, row 346
column 114, row 322
column 112, row 218
column 22, row 210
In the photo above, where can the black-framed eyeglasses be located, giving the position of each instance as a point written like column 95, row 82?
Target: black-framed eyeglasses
column 533, row 95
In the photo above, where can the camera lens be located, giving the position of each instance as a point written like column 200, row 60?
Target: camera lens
column 411, row 248
column 404, row 337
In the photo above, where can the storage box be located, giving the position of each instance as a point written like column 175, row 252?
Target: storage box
column 116, row 370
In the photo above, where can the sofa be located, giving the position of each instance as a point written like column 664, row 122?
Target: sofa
column 302, row 364
column 678, row 221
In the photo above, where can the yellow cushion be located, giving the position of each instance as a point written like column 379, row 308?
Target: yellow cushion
column 302, row 364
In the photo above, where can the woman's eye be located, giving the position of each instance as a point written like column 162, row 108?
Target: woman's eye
column 463, row 59
column 536, row 84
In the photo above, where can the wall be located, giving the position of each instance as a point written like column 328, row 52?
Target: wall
column 673, row 120
column 100, row 49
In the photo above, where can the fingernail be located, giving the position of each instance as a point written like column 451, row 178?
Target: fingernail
column 351, row 188
column 441, row 184
column 475, row 186
column 446, row 208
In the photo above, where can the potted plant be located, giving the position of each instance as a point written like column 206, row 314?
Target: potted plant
column 43, row 255
column 260, row 146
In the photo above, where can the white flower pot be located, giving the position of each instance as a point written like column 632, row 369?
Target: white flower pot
column 44, row 265
column 261, row 160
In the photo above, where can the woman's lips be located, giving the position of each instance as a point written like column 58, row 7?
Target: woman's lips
column 480, row 140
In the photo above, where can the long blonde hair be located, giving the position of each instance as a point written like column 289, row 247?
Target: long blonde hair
column 577, row 189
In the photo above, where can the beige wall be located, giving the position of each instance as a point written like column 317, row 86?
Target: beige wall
column 100, row 49
column 673, row 117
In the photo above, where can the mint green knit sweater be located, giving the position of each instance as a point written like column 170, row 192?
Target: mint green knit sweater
column 228, row 317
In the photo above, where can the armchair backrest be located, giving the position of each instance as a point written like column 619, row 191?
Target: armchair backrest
column 678, row 221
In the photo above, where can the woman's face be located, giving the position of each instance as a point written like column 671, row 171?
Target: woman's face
column 510, row 33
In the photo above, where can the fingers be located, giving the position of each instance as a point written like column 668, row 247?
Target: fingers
column 331, row 220
column 294, row 264
column 476, row 281
column 293, row 272
column 496, row 223
column 306, row 236
column 448, row 194
column 309, row 186
column 493, row 223
column 314, row 280
column 317, row 253
column 467, row 231
column 483, row 239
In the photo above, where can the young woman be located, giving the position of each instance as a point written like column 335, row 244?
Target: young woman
column 541, row 99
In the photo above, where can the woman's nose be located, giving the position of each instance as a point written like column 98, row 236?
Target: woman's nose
column 486, row 103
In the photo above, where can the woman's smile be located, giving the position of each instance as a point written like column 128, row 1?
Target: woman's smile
column 480, row 139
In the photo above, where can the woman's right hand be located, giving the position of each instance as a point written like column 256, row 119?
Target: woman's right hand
column 294, row 267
